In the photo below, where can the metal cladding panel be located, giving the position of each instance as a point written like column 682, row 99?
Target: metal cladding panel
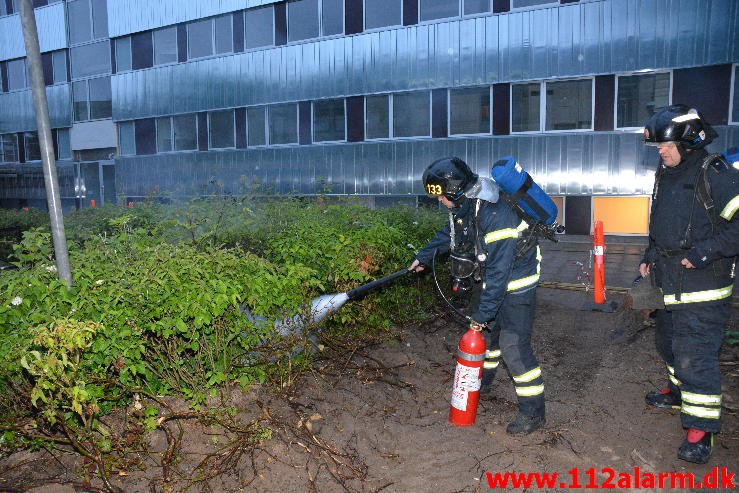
column 131, row 16
column 599, row 163
column 562, row 41
column 17, row 113
column 51, row 26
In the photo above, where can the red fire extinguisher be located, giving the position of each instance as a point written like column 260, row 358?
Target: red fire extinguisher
column 467, row 377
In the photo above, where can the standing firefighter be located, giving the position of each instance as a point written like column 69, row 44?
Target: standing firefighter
column 482, row 238
column 693, row 241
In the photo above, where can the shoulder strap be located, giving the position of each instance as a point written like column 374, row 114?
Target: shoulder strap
column 703, row 187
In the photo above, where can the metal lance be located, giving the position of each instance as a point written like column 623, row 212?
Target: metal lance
column 467, row 378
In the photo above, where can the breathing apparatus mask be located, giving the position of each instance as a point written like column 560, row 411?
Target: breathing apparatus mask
column 465, row 271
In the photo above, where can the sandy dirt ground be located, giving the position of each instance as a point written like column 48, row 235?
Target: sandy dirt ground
column 376, row 419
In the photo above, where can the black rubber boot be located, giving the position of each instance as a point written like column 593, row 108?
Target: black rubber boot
column 696, row 447
column 523, row 425
column 665, row 399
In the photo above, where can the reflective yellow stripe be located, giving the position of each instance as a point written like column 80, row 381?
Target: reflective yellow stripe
column 675, row 381
column 702, row 412
column 698, row 296
column 730, row 208
column 522, row 226
column 488, row 365
column 528, row 376
column 530, row 391
column 670, row 369
column 495, row 353
column 501, row 234
column 704, row 399
column 529, row 280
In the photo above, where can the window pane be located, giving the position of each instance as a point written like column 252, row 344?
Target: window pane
column 126, row 138
column 302, row 20
column 569, row 105
column 221, row 129
column 438, row 9
column 62, row 143
column 520, row 4
column 123, row 54
column 735, row 100
column 79, row 19
column 164, row 134
column 641, row 96
column 33, row 149
column 469, row 111
column 91, row 59
column 79, row 97
column 381, row 13
column 59, row 62
column 10, row 148
column 165, row 46
column 411, row 114
column 100, row 98
column 525, row 107
column 16, row 74
column 185, row 133
column 99, row 19
column 260, row 27
column 328, row 120
column 200, row 39
column 224, row 34
column 378, row 117
column 255, row 121
column 283, row 124
column 476, row 6
column 332, row 17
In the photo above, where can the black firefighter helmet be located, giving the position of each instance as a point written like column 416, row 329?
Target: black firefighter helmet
column 450, row 177
column 679, row 124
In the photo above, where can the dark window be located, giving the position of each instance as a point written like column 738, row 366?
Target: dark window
column 412, row 114
column 472, row 7
column 91, row 59
column 569, row 105
column 256, row 126
column 142, row 54
column 382, row 13
column 639, row 97
column 17, row 74
column 222, row 129
column 302, row 20
column 259, row 25
column 525, row 107
column 377, row 115
column 164, row 134
column 224, row 34
column 165, row 46
column 92, row 99
column 80, row 100
column 283, row 124
column 123, row 54
column 33, row 149
column 185, row 132
column 200, row 39
column 59, row 64
column 329, row 123
column 332, row 17
column 438, row 9
column 523, row 4
column 63, row 147
column 88, row 20
column 145, row 132
column 9, row 144
column 469, row 111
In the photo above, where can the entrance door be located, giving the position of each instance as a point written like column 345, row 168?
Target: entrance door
column 94, row 181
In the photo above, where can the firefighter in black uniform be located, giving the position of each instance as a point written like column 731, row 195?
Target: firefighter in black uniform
column 693, row 242
column 482, row 238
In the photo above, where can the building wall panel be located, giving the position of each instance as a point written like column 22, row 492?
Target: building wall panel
column 18, row 114
column 51, row 26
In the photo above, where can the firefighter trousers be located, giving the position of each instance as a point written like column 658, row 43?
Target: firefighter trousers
column 510, row 339
column 688, row 340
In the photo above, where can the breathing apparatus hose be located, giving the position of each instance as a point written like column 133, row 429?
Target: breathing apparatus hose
column 438, row 287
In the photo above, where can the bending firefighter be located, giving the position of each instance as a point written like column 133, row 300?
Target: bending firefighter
column 693, row 241
column 482, row 238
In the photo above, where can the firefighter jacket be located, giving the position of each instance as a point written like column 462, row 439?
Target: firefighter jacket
column 680, row 227
column 493, row 229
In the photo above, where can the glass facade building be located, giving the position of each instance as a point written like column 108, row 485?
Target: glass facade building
column 357, row 97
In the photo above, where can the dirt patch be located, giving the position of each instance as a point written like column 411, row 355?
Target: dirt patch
column 375, row 419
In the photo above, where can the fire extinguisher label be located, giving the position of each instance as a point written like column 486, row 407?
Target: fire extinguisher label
column 598, row 250
column 466, row 380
